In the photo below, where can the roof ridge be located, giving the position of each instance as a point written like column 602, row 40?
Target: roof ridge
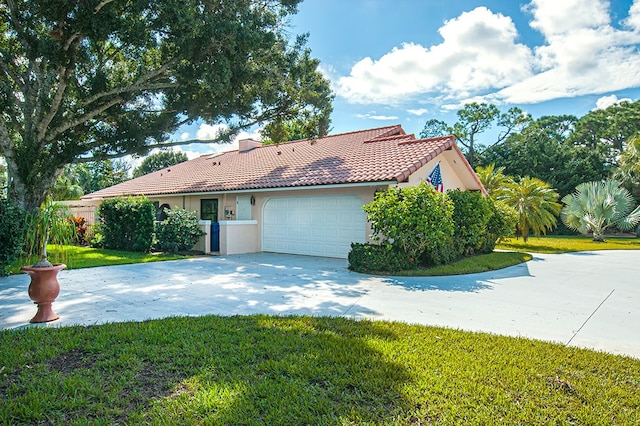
column 390, row 127
column 411, row 138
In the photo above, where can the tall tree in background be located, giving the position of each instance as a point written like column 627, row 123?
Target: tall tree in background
column 77, row 180
column 628, row 171
column 474, row 119
column 92, row 80
column 158, row 161
column 608, row 130
column 542, row 150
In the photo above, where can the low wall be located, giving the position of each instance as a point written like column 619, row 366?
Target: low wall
column 239, row 236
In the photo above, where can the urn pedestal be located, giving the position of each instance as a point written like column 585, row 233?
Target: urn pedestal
column 43, row 290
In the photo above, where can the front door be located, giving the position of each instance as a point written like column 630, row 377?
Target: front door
column 209, row 211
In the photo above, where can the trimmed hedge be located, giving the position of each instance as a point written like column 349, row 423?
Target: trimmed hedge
column 471, row 213
column 12, row 233
column 126, row 224
column 379, row 258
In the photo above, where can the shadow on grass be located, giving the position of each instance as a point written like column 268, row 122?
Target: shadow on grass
column 239, row 370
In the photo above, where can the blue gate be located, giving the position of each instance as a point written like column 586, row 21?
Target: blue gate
column 215, row 236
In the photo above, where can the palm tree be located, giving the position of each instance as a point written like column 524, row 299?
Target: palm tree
column 494, row 180
column 535, row 201
column 596, row 206
column 628, row 171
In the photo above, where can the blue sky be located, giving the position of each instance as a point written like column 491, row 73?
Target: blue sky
column 408, row 61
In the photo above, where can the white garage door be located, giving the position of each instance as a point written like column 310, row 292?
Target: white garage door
column 316, row 226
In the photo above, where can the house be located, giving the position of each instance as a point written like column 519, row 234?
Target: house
column 300, row 197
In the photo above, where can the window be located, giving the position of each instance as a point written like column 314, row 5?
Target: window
column 209, row 210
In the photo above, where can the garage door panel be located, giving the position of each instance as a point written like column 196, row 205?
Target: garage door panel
column 319, row 226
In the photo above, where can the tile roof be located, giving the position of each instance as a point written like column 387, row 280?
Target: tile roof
column 374, row 155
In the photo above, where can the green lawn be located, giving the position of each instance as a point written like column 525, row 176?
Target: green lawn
column 76, row 257
column 473, row 264
column 262, row 370
column 563, row 244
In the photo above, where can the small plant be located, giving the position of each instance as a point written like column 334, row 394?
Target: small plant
column 48, row 224
column 81, row 229
column 179, row 231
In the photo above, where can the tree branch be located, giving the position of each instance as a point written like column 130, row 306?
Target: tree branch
column 63, row 76
column 223, row 137
column 83, row 118
column 100, row 5
column 138, row 85
column 8, row 70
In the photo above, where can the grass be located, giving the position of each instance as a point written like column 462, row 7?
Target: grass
column 473, row 264
column 564, row 244
column 262, row 370
column 76, row 257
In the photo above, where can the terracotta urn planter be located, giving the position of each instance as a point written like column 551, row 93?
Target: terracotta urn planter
column 43, row 290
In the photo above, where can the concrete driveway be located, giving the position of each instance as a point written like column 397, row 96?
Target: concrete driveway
column 589, row 299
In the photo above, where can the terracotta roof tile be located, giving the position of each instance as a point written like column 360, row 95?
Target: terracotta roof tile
column 374, row 155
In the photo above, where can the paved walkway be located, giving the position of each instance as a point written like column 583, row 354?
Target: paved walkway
column 587, row 299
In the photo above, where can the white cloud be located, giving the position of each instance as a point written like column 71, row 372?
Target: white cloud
column 377, row 117
column 480, row 59
column 184, row 136
column 583, row 55
column 554, row 17
column 419, row 112
column 633, row 21
column 606, row 101
column 207, row 131
column 479, row 52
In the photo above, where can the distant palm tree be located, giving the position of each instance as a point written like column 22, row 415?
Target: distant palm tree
column 494, row 180
column 535, row 201
column 628, row 171
column 597, row 206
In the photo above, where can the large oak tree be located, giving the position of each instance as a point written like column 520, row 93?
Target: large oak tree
column 90, row 80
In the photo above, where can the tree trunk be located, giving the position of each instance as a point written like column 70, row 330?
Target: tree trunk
column 598, row 236
column 29, row 197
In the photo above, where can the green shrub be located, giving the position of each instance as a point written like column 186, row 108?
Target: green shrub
column 416, row 219
column 471, row 213
column 379, row 258
column 179, row 231
column 12, row 233
column 126, row 223
column 501, row 225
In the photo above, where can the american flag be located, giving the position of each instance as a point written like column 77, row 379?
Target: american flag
column 435, row 178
